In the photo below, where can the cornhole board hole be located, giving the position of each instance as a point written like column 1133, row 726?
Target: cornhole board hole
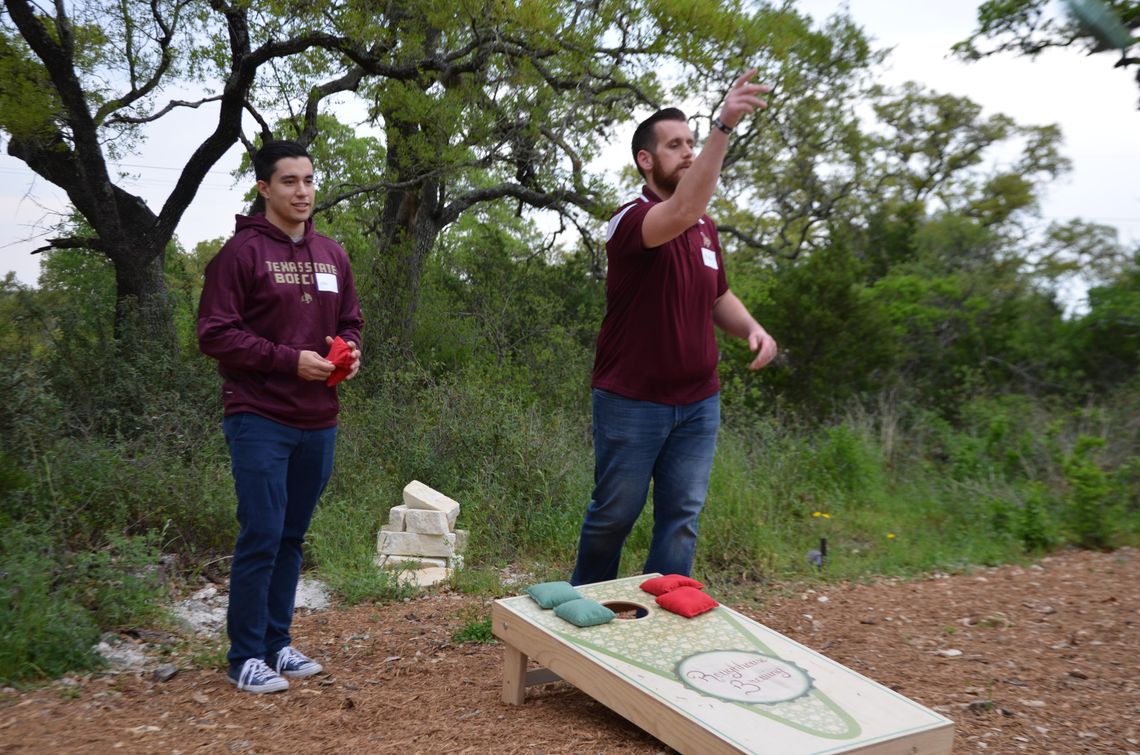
column 715, row 683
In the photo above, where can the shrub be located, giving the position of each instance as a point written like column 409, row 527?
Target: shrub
column 1090, row 496
column 46, row 631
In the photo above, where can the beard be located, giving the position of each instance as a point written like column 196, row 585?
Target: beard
column 666, row 181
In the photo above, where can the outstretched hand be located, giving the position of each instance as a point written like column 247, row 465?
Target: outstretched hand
column 742, row 99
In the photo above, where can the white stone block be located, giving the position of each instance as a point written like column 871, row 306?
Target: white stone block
column 426, row 522
column 413, row 544
column 460, row 541
column 396, row 518
column 429, row 576
column 424, row 577
column 420, row 496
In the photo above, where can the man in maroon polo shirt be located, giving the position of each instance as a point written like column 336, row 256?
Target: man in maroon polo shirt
column 656, row 396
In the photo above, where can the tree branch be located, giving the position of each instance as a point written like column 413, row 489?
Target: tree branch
column 533, row 197
column 72, row 242
column 165, row 59
column 169, row 107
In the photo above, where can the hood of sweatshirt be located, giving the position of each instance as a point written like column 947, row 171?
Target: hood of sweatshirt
column 260, row 223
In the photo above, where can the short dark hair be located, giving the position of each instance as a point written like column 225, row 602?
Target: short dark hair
column 645, row 136
column 265, row 160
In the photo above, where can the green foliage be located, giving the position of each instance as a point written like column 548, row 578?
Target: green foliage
column 898, row 491
column 118, row 583
column 27, row 101
column 1105, row 342
column 88, row 487
column 1001, row 438
column 1036, row 523
column 849, row 463
column 474, row 580
column 53, row 602
column 476, row 625
column 1126, row 480
column 46, row 630
column 499, row 296
column 342, row 545
column 514, row 466
column 101, row 447
column 827, row 326
column 1091, row 509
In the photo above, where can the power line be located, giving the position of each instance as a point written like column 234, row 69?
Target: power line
column 227, row 174
column 164, row 167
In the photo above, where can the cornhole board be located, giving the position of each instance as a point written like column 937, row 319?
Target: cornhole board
column 715, row 683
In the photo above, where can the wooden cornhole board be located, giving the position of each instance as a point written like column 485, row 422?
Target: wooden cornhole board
column 715, row 683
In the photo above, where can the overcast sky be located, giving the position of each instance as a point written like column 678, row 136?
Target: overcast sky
column 1095, row 105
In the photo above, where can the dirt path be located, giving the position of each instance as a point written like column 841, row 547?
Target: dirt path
column 1048, row 664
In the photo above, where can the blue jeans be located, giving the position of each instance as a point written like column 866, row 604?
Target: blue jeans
column 279, row 474
column 635, row 441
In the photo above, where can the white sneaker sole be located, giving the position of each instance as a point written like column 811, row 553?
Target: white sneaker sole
column 263, row 689
column 316, row 668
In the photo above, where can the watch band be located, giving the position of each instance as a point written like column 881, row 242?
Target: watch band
column 719, row 125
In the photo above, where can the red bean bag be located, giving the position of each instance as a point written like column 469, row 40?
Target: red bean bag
column 662, row 585
column 340, row 354
column 686, row 601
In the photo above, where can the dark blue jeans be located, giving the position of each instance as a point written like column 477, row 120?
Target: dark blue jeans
column 279, row 474
column 635, row 441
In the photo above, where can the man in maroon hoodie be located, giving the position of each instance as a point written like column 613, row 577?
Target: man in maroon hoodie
column 274, row 298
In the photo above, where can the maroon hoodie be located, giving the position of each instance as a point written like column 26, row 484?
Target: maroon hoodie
column 266, row 299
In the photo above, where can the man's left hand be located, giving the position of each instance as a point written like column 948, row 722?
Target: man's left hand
column 355, row 361
column 355, row 357
column 764, row 346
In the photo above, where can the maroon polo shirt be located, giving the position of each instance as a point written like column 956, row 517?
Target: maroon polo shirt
column 656, row 342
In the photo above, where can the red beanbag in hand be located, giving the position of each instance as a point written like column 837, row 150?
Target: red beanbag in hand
column 341, row 355
column 686, row 601
column 662, row 585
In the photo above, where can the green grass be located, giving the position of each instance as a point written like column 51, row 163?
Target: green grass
column 476, row 626
column 342, row 545
column 54, row 603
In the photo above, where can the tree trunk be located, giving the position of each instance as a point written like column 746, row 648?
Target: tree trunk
column 405, row 237
column 142, row 304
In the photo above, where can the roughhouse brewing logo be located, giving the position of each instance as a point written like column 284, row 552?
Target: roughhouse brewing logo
column 744, row 676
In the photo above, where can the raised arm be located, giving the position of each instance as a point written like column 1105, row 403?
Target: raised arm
column 668, row 219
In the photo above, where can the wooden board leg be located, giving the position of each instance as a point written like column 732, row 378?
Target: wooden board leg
column 514, row 675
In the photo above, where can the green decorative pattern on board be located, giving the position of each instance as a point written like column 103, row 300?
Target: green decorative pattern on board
column 650, row 644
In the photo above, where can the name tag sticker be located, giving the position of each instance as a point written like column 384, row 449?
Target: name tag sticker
column 327, row 282
column 710, row 257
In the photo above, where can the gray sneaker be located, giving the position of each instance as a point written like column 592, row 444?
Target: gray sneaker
column 255, row 677
column 294, row 664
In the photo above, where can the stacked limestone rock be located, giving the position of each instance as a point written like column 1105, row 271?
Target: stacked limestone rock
column 420, row 537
